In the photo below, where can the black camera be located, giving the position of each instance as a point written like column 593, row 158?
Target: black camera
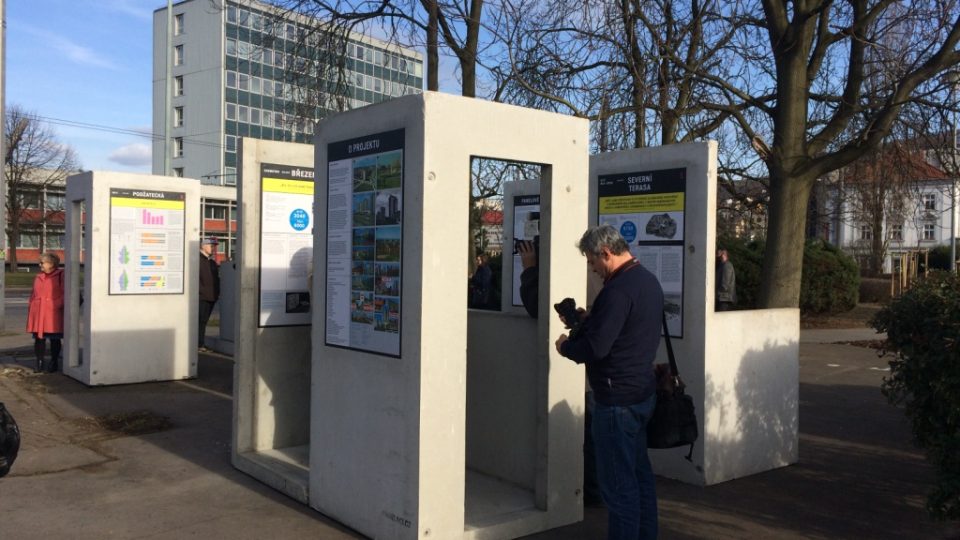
column 567, row 309
column 536, row 245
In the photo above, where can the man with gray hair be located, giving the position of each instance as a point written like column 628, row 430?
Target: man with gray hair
column 618, row 341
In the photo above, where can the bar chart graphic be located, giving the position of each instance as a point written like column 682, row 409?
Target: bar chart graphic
column 146, row 218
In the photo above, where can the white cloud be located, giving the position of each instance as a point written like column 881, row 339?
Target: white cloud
column 72, row 50
column 132, row 155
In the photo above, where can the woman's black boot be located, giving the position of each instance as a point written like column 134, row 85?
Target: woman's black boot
column 54, row 364
column 39, row 350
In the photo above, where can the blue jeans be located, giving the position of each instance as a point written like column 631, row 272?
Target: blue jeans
column 623, row 469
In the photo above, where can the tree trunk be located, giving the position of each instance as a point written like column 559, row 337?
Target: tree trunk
column 433, row 57
column 783, row 260
column 12, row 245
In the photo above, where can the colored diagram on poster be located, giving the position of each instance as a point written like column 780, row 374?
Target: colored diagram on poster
column 647, row 208
column 286, row 244
column 146, row 241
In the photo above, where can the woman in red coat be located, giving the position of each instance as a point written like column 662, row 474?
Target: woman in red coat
column 45, row 315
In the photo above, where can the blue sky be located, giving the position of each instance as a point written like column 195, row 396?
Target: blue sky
column 86, row 61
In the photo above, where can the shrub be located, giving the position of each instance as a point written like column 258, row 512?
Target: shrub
column 923, row 329
column 830, row 282
column 875, row 290
column 939, row 258
column 831, row 279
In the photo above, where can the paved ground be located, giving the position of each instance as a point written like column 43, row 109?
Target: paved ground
column 858, row 475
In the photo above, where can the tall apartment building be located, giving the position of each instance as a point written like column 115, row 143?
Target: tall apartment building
column 229, row 61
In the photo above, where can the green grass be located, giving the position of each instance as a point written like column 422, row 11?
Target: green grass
column 14, row 280
column 21, row 280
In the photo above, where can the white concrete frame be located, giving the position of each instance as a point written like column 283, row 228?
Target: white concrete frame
column 271, row 383
column 126, row 338
column 389, row 452
column 741, row 367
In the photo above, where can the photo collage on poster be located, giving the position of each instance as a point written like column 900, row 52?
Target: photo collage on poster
column 648, row 208
column 375, row 256
column 364, row 238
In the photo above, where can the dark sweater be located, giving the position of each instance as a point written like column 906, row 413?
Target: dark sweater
column 619, row 339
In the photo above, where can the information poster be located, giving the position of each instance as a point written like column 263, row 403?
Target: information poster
column 286, row 244
column 526, row 226
column 648, row 209
column 146, row 241
column 364, row 241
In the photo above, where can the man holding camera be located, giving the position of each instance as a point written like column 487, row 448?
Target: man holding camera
column 618, row 342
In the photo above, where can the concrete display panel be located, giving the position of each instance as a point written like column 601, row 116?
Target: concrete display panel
column 442, row 422
column 138, row 321
column 741, row 367
column 271, row 391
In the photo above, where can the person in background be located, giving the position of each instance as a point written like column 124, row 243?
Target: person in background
column 726, row 282
column 45, row 312
column 618, row 341
column 481, row 284
column 209, row 285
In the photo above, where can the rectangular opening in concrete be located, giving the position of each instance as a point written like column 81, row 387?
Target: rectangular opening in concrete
column 504, row 385
column 75, row 244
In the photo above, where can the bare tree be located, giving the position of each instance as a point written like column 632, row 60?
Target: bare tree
column 614, row 62
column 407, row 23
column 821, row 88
column 35, row 160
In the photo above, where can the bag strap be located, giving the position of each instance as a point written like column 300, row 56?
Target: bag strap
column 666, row 335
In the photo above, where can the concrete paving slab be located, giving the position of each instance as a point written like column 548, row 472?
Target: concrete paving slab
column 858, row 475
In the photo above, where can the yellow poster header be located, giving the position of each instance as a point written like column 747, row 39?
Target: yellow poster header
column 146, row 203
column 284, row 185
column 638, row 204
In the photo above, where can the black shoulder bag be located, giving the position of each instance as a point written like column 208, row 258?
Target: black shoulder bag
column 9, row 440
column 674, row 421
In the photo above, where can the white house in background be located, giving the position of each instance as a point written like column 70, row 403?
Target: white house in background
column 916, row 216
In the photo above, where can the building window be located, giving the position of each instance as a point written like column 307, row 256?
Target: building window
column 30, row 199
column 55, row 201
column 255, row 116
column 232, row 14
column 230, row 176
column 178, row 85
column 231, row 47
column 178, row 116
column 178, row 147
column 29, row 240
column 866, row 232
column 929, row 231
column 214, row 212
column 244, row 115
column 178, row 55
column 54, row 240
column 896, row 233
column 178, row 24
column 231, row 79
column 231, row 143
column 930, row 201
column 267, row 119
column 243, row 82
column 178, row 172
column 231, row 111
column 244, row 18
column 255, row 85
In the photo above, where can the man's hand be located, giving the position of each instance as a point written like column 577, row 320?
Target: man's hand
column 560, row 341
column 528, row 254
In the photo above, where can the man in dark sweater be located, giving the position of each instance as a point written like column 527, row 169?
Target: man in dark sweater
column 209, row 286
column 618, row 342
